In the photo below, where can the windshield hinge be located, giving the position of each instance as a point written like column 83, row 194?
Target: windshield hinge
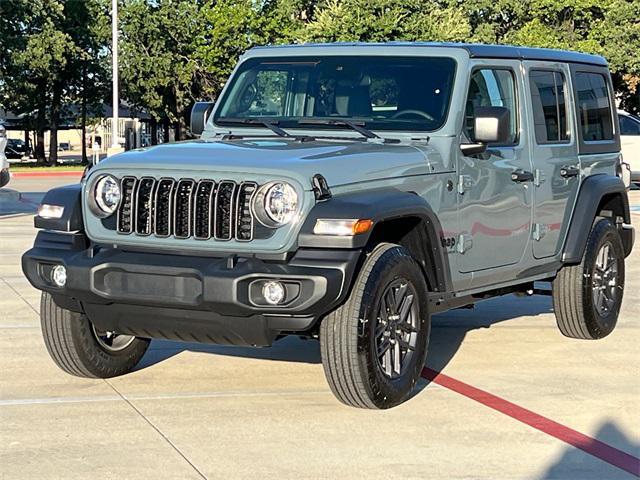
column 320, row 187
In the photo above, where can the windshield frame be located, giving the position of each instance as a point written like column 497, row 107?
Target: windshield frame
column 297, row 123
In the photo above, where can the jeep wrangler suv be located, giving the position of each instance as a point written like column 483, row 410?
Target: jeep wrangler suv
column 346, row 192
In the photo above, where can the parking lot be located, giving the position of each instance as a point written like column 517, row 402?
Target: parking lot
column 515, row 399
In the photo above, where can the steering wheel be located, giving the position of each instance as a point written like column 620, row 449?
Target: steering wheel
column 419, row 113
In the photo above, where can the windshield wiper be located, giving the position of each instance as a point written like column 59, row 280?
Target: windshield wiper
column 357, row 126
column 270, row 124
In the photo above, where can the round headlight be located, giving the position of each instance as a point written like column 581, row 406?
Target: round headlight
column 106, row 195
column 275, row 204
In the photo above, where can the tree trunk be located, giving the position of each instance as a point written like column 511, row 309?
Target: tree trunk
column 165, row 128
column 26, row 140
column 154, row 131
column 83, row 120
column 40, row 128
column 55, row 120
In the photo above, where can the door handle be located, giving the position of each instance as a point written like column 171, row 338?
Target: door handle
column 520, row 176
column 568, row 171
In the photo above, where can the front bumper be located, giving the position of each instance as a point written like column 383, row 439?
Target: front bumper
column 189, row 298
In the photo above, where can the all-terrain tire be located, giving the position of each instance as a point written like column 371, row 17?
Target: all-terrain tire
column 348, row 335
column 575, row 287
column 73, row 345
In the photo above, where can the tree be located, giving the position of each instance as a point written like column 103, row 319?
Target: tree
column 36, row 53
column 158, row 61
column 605, row 27
column 49, row 46
column 385, row 20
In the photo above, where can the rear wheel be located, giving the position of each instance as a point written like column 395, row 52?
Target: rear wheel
column 374, row 347
column 587, row 297
column 80, row 349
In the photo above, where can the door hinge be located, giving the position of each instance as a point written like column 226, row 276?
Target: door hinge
column 464, row 243
column 539, row 231
column 465, row 182
column 538, row 177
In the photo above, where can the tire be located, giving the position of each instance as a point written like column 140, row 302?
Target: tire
column 575, row 297
column 351, row 336
column 78, row 349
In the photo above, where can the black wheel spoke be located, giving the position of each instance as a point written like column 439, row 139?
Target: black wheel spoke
column 405, row 308
column 384, row 347
column 395, row 329
column 605, row 280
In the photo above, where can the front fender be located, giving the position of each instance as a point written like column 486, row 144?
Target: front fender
column 381, row 205
column 69, row 197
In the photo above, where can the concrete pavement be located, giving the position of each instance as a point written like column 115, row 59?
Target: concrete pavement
column 200, row 411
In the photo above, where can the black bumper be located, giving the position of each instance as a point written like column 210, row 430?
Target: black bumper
column 185, row 297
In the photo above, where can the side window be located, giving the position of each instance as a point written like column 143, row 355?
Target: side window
column 492, row 88
column 629, row 126
column 549, row 106
column 594, row 107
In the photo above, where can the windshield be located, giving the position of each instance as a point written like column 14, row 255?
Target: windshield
column 381, row 93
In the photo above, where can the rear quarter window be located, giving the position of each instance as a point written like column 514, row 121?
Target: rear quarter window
column 594, row 107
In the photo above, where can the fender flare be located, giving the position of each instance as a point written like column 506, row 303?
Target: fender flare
column 68, row 197
column 381, row 205
column 592, row 190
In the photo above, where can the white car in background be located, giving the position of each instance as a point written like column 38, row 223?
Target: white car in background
column 630, row 141
column 4, row 163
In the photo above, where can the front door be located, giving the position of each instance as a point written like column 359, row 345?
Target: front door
column 555, row 156
column 494, row 207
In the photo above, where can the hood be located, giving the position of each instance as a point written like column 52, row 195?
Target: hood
column 340, row 162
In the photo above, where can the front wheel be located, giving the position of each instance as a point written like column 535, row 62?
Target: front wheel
column 80, row 349
column 374, row 346
column 587, row 297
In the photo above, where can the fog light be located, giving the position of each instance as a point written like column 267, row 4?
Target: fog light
column 273, row 292
column 59, row 275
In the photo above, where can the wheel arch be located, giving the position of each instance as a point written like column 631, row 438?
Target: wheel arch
column 599, row 195
column 399, row 217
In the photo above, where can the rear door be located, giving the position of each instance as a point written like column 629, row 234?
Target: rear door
column 554, row 153
column 494, row 211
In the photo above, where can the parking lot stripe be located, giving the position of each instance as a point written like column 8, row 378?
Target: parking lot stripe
column 587, row 444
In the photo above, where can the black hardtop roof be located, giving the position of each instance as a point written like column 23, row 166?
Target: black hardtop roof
column 477, row 50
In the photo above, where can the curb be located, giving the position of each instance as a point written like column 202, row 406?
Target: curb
column 66, row 173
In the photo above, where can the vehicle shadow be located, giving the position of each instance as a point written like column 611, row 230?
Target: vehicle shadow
column 448, row 332
column 13, row 202
column 575, row 464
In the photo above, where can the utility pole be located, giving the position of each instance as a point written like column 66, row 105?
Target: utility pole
column 115, row 145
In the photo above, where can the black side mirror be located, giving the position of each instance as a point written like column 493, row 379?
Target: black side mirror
column 199, row 115
column 491, row 125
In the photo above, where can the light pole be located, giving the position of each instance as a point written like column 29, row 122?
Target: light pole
column 115, row 145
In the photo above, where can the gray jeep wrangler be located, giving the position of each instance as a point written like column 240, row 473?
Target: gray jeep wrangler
column 346, row 192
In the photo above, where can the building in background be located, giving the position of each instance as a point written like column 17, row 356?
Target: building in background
column 134, row 129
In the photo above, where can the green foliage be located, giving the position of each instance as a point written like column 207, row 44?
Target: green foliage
column 385, row 20
column 173, row 52
column 49, row 49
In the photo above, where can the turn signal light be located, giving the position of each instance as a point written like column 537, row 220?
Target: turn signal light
column 340, row 227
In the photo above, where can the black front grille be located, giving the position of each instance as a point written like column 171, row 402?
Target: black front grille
column 186, row 208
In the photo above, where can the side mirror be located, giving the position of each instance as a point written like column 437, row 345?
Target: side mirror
column 199, row 114
column 490, row 125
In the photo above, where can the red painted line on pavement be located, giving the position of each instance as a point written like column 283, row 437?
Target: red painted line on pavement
column 67, row 173
column 587, row 444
